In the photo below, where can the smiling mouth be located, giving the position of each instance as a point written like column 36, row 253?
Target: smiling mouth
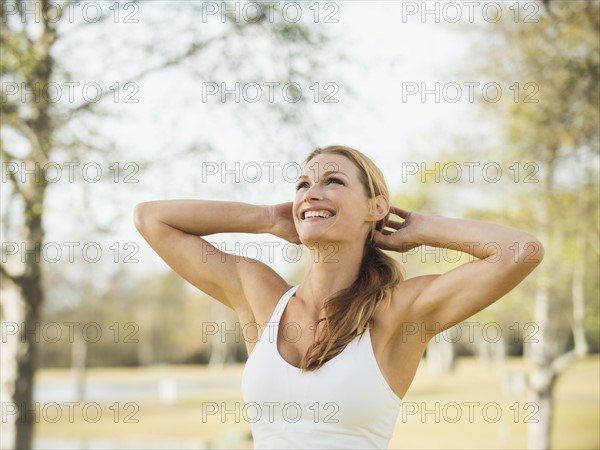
column 313, row 216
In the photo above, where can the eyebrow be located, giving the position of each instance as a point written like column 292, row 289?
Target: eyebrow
column 329, row 172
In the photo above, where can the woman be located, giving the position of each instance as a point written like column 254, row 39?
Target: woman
column 334, row 358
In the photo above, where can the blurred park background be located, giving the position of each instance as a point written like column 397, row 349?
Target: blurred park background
column 487, row 110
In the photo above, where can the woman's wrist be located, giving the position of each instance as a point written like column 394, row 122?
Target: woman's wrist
column 269, row 218
column 439, row 231
column 417, row 228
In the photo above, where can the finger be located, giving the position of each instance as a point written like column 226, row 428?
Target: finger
column 393, row 224
column 380, row 237
column 403, row 213
column 380, row 240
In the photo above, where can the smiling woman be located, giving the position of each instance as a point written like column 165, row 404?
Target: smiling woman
column 338, row 382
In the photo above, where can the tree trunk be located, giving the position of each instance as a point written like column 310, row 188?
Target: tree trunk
column 78, row 364
column 578, row 296
column 440, row 355
column 542, row 378
column 491, row 352
column 145, row 347
column 541, row 351
column 24, row 303
column 548, row 363
column 12, row 311
column 218, row 354
column 539, row 426
column 218, row 342
column 549, row 367
column 21, row 333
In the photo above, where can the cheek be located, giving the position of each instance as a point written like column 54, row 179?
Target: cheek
column 296, row 205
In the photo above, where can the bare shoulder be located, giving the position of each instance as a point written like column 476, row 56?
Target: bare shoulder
column 262, row 291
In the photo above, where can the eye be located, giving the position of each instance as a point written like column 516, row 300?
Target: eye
column 335, row 180
column 300, row 185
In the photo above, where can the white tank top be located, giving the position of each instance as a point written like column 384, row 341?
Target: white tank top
column 346, row 403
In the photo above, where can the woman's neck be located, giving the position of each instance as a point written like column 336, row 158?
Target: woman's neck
column 331, row 268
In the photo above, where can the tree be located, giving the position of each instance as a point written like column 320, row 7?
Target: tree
column 38, row 41
column 553, row 120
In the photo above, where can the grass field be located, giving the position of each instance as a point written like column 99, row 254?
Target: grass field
column 469, row 408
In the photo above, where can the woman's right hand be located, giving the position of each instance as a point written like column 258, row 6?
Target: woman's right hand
column 282, row 222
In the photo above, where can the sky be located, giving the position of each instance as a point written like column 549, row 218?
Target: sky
column 395, row 51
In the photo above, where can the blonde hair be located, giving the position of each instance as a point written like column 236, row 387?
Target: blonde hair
column 349, row 312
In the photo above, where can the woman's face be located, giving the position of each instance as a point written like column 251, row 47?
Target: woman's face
column 331, row 204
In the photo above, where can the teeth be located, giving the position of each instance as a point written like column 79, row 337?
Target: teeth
column 321, row 213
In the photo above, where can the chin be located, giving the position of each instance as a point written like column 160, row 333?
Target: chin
column 313, row 238
column 317, row 238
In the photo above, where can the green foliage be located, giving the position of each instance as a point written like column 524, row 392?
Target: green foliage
column 560, row 55
column 549, row 151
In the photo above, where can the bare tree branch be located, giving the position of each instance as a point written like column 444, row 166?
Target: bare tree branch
column 191, row 51
column 68, row 4
column 563, row 361
column 17, row 279
column 11, row 176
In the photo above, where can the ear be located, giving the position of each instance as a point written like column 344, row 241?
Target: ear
column 378, row 208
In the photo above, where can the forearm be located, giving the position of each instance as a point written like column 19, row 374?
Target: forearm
column 205, row 217
column 483, row 240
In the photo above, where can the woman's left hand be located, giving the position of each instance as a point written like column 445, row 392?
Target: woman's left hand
column 403, row 238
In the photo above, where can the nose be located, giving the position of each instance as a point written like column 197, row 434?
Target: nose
column 313, row 193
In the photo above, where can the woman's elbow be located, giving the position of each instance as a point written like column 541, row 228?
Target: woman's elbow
column 140, row 215
column 530, row 251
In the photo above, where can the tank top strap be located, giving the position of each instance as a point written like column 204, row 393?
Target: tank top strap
column 281, row 304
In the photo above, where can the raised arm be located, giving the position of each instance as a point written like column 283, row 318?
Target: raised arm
column 505, row 256
column 173, row 229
